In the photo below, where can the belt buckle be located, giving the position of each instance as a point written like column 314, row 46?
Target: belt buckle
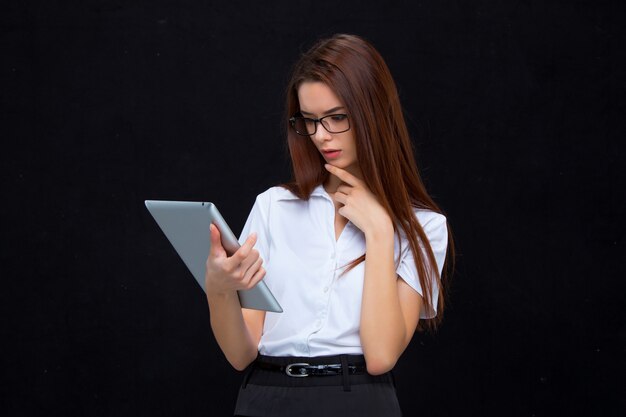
column 302, row 372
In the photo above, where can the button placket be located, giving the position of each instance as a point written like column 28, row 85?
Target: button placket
column 324, row 301
column 333, row 254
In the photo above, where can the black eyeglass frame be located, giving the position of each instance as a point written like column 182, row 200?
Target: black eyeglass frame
column 292, row 122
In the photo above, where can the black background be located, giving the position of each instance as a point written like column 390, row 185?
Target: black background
column 516, row 109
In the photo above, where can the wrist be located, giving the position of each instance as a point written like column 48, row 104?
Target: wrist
column 381, row 231
column 213, row 295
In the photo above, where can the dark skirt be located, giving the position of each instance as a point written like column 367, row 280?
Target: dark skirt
column 272, row 393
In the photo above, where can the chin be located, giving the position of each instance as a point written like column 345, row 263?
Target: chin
column 346, row 165
column 337, row 164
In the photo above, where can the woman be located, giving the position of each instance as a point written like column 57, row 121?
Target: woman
column 353, row 249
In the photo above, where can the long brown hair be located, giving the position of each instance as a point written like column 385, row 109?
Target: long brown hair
column 358, row 75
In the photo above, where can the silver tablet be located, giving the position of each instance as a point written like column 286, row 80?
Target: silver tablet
column 186, row 225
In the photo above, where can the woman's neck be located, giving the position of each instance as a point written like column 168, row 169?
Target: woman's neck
column 331, row 184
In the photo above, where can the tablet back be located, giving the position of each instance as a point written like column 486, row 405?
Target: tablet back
column 186, row 225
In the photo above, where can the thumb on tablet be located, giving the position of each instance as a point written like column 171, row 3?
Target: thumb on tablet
column 217, row 250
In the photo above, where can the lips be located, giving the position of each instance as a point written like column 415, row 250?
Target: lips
column 331, row 153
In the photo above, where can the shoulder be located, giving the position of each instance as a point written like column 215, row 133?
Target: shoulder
column 272, row 197
column 265, row 208
column 431, row 221
column 276, row 193
column 434, row 225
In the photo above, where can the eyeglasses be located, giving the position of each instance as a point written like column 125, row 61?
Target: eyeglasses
column 333, row 123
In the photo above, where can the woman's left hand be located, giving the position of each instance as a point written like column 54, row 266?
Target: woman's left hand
column 359, row 205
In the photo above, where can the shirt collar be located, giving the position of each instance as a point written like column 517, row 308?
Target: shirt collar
column 285, row 194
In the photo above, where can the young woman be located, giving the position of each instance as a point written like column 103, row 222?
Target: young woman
column 353, row 249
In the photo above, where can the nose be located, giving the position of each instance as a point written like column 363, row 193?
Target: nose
column 321, row 134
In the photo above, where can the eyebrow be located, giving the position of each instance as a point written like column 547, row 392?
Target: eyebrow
column 334, row 109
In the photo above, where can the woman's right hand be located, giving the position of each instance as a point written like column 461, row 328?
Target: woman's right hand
column 241, row 271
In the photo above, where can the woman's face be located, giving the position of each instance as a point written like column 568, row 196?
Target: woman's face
column 339, row 149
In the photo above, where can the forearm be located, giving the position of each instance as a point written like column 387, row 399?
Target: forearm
column 230, row 330
column 383, row 331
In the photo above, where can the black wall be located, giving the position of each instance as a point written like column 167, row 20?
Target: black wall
column 516, row 109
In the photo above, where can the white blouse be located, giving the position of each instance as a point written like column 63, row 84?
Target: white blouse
column 304, row 264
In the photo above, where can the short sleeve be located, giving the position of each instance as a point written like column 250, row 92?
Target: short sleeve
column 436, row 230
column 257, row 222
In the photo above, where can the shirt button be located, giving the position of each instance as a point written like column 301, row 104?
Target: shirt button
column 318, row 323
column 332, row 255
column 325, row 289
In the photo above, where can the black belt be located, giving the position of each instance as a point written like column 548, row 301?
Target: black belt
column 301, row 369
column 291, row 371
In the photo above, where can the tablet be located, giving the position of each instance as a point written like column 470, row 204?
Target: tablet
column 186, row 225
